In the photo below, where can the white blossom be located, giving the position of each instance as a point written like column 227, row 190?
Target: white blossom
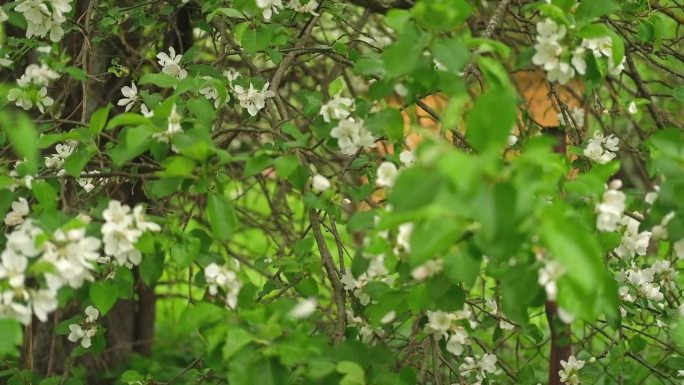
column 352, row 136
column 309, row 7
column 43, row 302
column 130, row 96
column 603, row 47
column 14, row 308
column 611, row 208
column 219, row 277
column 458, row 338
column 404, row 236
column 633, row 242
column 632, row 108
column 171, row 64
column 42, row 19
column 13, row 267
column 548, row 276
column 20, row 209
column 407, row 158
column 269, row 7
column 386, row 174
column 480, row 367
column 568, row 375
column 122, row 229
column 337, row 108
column 320, row 183
column 304, row 309
column 439, row 322
column 252, row 99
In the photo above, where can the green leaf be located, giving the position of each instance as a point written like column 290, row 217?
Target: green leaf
column 10, row 336
column 133, row 142
column 256, row 164
column 151, row 268
column 491, row 119
column 388, row 122
column 45, row 194
column 586, row 289
column 431, row 239
column 23, row 138
column 335, row 87
column 451, row 52
column 177, row 166
column 236, row 339
column 463, row 267
column 285, row 165
column 104, row 294
column 588, row 10
column 77, row 161
column 353, row 373
column 99, row 119
column 221, row 216
column 128, row 119
column 76, row 73
column 402, row 56
column 159, row 80
column 415, row 188
column 678, row 93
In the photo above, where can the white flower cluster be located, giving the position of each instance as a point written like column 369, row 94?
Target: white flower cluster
column 479, row 367
column 367, row 332
column 88, row 183
column 62, row 151
column 25, row 181
column 553, row 56
column 568, row 375
column 69, row 255
column 337, row 108
column 633, row 242
column 15, row 217
column 309, row 7
column 44, row 16
column 33, row 88
column 646, row 283
column 85, row 330
column 120, row 232
column 611, row 208
column 443, row 324
column 549, row 51
column 601, row 149
column 210, row 92
column 376, row 271
column 352, row 136
column 219, row 277
column 252, row 99
column 599, row 47
column 171, row 64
